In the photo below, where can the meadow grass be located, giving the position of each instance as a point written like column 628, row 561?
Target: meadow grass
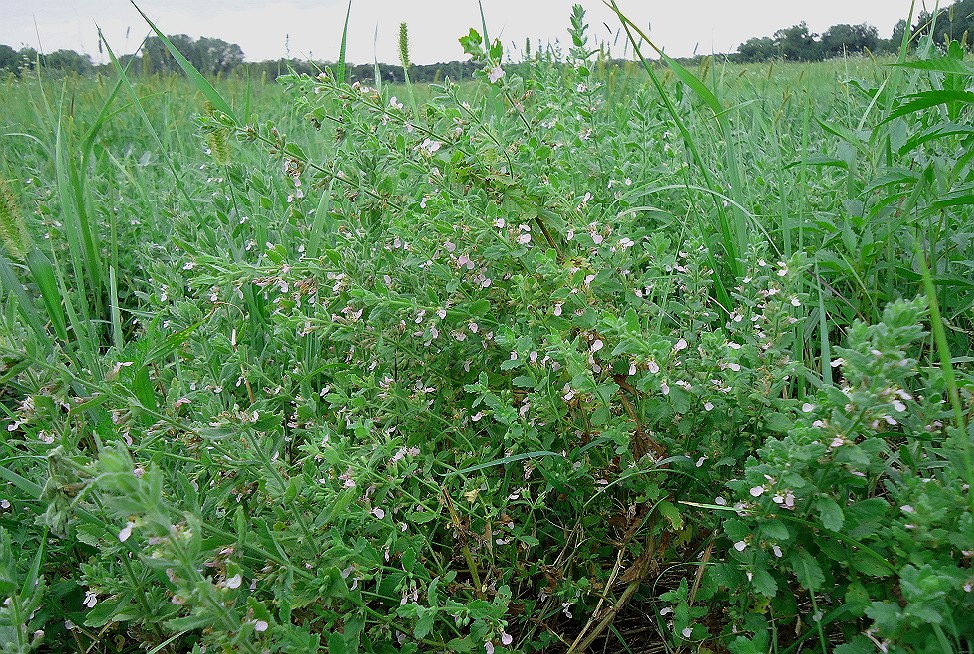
column 572, row 356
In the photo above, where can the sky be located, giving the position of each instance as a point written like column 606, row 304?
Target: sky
column 271, row 29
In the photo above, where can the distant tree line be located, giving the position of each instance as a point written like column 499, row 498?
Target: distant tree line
column 797, row 43
column 62, row 60
column 215, row 57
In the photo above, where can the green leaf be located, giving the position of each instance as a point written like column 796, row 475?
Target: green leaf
column 830, row 512
column 858, row 645
column 886, row 614
column 472, row 43
column 425, row 623
column 421, row 517
column 336, row 643
column 927, row 99
column 775, row 530
column 807, row 569
column 867, row 517
column 764, row 583
column 672, row 514
column 778, row 422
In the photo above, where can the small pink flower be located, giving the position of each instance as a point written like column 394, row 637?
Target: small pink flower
column 126, row 531
column 496, row 73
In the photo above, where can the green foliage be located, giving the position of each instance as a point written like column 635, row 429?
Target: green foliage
column 492, row 370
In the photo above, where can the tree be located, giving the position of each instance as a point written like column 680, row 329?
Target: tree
column 953, row 23
column 68, row 60
column 796, row 43
column 852, row 39
column 216, row 56
column 9, row 59
column 757, row 49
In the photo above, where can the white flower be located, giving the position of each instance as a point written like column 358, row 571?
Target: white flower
column 126, row 531
column 506, row 638
column 740, row 545
column 234, row 581
column 495, row 74
column 687, row 632
column 776, row 550
column 709, row 406
column 808, row 407
column 394, row 103
column 430, row 145
column 260, row 625
column 378, row 513
column 680, row 345
column 90, row 599
column 757, row 491
column 524, row 239
column 597, row 345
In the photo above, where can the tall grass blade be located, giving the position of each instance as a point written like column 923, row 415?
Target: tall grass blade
column 25, row 305
column 340, row 74
column 200, row 82
column 42, row 272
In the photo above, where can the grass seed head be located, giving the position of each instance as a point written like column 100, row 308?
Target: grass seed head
column 13, row 229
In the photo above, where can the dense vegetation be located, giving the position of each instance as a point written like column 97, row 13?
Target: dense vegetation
column 572, row 357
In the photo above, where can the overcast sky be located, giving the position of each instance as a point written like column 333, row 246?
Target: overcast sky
column 302, row 28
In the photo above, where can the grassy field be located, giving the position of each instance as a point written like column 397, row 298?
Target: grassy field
column 571, row 358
